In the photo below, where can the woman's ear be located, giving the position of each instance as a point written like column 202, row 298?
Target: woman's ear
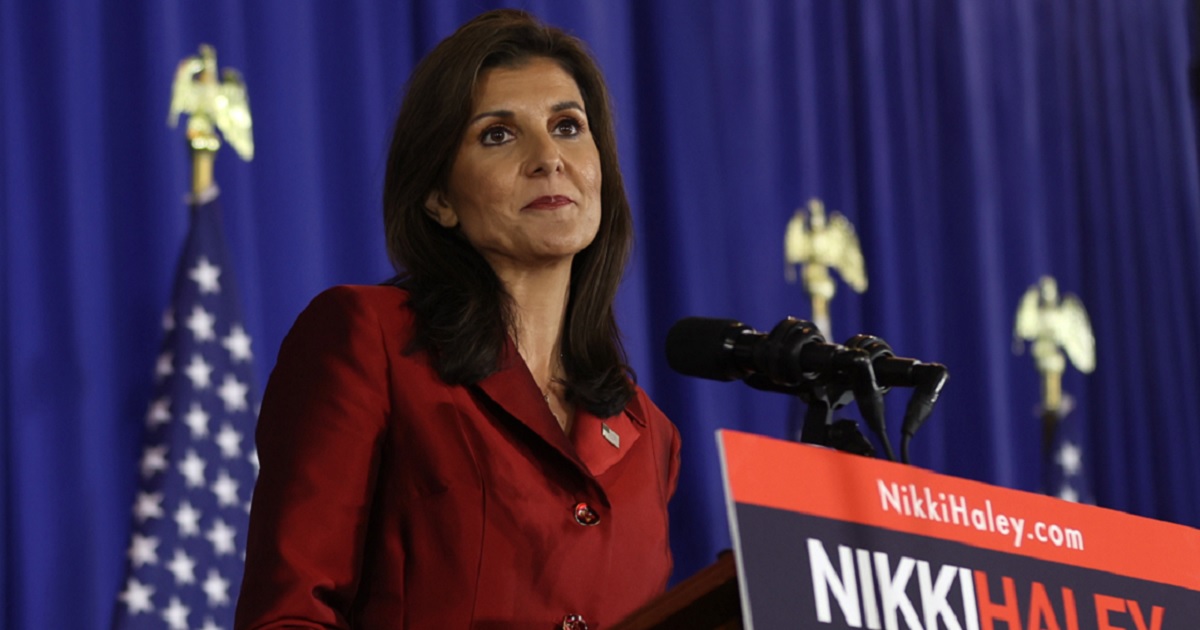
column 439, row 209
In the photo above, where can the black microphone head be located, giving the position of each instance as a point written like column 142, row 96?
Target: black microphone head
column 704, row 347
column 929, row 379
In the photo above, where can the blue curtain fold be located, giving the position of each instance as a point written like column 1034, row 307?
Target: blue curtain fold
column 974, row 145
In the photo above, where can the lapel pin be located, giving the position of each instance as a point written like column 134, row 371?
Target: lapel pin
column 610, row 435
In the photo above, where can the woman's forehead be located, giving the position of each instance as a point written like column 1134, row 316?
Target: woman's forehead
column 530, row 80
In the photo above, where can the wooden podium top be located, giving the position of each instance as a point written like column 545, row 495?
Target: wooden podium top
column 707, row 600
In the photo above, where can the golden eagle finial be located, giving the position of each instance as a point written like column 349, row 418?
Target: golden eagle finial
column 817, row 245
column 212, row 106
column 1054, row 326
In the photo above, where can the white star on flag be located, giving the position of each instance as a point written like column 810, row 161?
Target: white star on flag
column 188, row 520
column 159, row 412
column 221, row 537
column 217, row 589
column 233, row 392
column 197, row 421
column 137, row 597
column 201, row 324
column 230, row 441
column 187, row 547
column 143, row 550
column 199, row 372
column 226, row 489
column 237, row 342
column 176, row 615
column 1064, row 474
column 164, row 366
column 154, row 460
column 192, row 468
column 206, row 275
column 1070, row 458
column 183, row 568
column 148, row 505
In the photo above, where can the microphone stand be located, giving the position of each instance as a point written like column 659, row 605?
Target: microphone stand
column 818, row 426
column 821, row 428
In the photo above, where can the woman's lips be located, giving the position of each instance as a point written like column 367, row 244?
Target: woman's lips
column 549, row 202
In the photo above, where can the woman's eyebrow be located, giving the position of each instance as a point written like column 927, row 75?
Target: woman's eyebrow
column 505, row 113
column 498, row 113
column 567, row 105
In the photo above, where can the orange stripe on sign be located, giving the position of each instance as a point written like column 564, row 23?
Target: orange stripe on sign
column 821, row 482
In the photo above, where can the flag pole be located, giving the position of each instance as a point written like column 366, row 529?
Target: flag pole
column 1057, row 329
column 202, row 171
column 204, row 143
column 1053, row 411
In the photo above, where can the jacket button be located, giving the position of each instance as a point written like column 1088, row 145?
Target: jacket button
column 573, row 622
column 585, row 515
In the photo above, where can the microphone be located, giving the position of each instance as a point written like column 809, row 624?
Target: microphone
column 724, row 350
column 792, row 355
column 929, row 378
column 926, row 379
column 890, row 370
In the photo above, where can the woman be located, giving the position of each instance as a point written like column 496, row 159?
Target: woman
column 464, row 448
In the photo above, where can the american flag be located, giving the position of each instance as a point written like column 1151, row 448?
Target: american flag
column 198, row 462
column 1064, row 475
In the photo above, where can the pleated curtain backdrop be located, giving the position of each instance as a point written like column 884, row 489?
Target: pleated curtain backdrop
column 974, row 145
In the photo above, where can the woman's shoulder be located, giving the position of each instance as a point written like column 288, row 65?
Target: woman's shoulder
column 356, row 306
column 665, row 434
column 642, row 410
column 379, row 298
column 367, row 295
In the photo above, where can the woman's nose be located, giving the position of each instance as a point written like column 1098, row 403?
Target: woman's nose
column 545, row 156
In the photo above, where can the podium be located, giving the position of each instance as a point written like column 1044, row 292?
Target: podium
column 823, row 539
column 706, row 601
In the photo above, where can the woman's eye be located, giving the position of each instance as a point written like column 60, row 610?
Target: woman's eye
column 495, row 135
column 568, row 127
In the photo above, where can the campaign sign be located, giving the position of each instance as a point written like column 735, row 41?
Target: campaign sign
column 825, row 539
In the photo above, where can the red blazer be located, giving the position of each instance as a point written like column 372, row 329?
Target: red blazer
column 389, row 499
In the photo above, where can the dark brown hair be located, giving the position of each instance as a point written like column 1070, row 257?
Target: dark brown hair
column 463, row 313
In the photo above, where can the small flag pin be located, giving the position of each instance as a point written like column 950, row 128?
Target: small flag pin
column 610, row 435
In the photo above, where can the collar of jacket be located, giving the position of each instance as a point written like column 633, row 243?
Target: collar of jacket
column 514, row 390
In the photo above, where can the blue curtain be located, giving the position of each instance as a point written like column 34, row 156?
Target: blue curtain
column 974, row 145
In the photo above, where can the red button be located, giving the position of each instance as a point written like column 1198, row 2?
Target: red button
column 585, row 515
column 574, row 622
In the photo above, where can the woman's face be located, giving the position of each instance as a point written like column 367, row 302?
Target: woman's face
column 525, row 184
